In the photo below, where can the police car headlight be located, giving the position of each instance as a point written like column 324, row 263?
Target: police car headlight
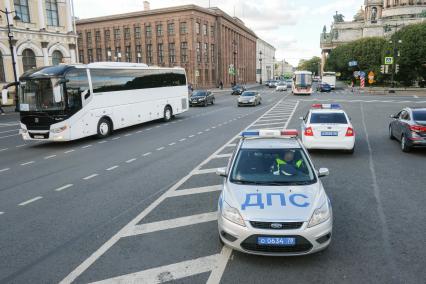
column 232, row 214
column 59, row 130
column 320, row 215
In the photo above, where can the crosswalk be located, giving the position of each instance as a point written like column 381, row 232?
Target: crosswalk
column 209, row 189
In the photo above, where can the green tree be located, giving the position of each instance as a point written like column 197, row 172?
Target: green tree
column 310, row 65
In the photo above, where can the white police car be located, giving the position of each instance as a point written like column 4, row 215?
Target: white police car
column 273, row 202
column 328, row 127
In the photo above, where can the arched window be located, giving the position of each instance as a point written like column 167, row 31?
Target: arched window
column 57, row 57
column 2, row 75
column 28, row 59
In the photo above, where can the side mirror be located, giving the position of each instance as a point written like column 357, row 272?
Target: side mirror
column 394, row 116
column 221, row 172
column 323, row 172
column 4, row 93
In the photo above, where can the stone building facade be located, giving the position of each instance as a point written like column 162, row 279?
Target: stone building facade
column 265, row 57
column 43, row 35
column 206, row 42
column 377, row 18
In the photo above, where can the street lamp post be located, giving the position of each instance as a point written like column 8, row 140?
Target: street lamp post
column 388, row 28
column 10, row 36
column 235, row 61
column 273, row 68
column 260, row 61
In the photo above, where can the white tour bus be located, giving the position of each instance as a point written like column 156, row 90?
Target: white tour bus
column 302, row 83
column 68, row 102
column 329, row 78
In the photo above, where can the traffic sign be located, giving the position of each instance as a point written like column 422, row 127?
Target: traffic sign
column 362, row 74
column 356, row 74
column 388, row 60
column 371, row 77
column 231, row 69
column 353, row 63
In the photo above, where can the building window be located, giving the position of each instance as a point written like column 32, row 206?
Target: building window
column 198, row 51
column 108, row 54
column 128, row 54
column 28, row 59
column 137, row 32
column 107, row 35
column 212, row 53
column 149, row 53
column 171, row 29
column 197, row 28
column 89, row 39
column 138, row 53
column 205, row 29
column 99, row 54
column 118, row 54
column 184, row 52
column 148, row 31
column 206, row 52
column 2, row 75
column 117, row 34
column 126, row 33
column 90, row 55
column 22, row 10
column 81, row 56
column 172, row 53
column 57, row 57
column 80, row 38
column 183, row 28
column 160, row 51
column 52, row 13
column 212, row 31
column 97, row 37
column 159, row 30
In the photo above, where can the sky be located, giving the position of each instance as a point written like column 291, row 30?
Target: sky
column 293, row 27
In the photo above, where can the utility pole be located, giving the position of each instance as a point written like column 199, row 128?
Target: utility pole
column 10, row 36
column 395, row 52
column 260, row 61
column 234, row 43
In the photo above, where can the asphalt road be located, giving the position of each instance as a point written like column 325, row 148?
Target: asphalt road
column 141, row 204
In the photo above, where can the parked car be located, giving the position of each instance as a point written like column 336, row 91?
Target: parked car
column 201, row 98
column 272, row 84
column 251, row 98
column 324, row 87
column 238, row 90
column 281, row 86
column 409, row 127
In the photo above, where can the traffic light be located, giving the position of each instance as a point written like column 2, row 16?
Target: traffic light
column 396, row 68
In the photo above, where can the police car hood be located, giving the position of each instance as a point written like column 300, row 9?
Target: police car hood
column 275, row 203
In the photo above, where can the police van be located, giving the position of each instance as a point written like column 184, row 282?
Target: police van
column 273, row 201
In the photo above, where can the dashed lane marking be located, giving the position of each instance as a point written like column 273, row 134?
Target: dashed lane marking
column 160, row 149
column 4, row 170
column 87, row 146
column 112, row 168
column 20, row 146
column 7, row 136
column 197, row 190
column 224, row 156
column 49, row 157
column 131, row 161
column 5, row 149
column 28, row 163
column 64, row 187
column 102, row 142
column 90, row 177
column 183, row 139
column 115, row 138
column 69, row 151
column 147, row 154
column 30, row 201
column 171, row 144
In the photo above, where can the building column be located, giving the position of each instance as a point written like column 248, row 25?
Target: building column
column 7, row 6
column 45, row 53
column 73, row 54
column 41, row 18
column 69, row 15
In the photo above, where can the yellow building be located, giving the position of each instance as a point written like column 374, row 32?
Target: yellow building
column 43, row 35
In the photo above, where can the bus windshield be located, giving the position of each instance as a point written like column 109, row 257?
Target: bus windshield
column 303, row 80
column 39, row 95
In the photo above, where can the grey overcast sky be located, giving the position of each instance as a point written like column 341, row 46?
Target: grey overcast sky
column 292, row 26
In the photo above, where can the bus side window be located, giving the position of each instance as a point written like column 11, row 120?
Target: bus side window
column 77, row 84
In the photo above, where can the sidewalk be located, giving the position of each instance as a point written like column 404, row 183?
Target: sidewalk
column 8, row 109
column 397, row 91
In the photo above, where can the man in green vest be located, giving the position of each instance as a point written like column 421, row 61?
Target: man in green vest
column 289, row 166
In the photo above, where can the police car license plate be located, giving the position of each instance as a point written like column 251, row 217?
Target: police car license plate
column 329, row 133
column 269, row 241
column 38, row 136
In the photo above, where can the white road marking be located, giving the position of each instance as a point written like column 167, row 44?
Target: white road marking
column 5, row 149
column 90, row 177
column 207, row 130
column 171, row 144
column 4, row 170
column 27, row 163
column 191, row 136
column 128, row 134
column 267, row 124
column 8, row 131
column 69, row 151
column 2, row 137
column 87, row 146
column 183, row 139
column 200, row 133
column 205, row 171
column 149, row 129
column 139, row 131
column 416, row 97
column 218, row 269
column 272, row 120
column 146, row 154
column 64, row 187
column 231, row 145
column 160, row 149
column 1, row 213
column 171, row 223
column 115, row 138
column 20, row 146
column 158, row 126
column 49, row 157
column 168, row 272
column 223, row 156
column 30, row 201
column 196, row 190
column 112, row 168
column 131, row 160
column 102, row 142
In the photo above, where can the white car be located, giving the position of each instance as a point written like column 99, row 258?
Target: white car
column 281, row 86
column 328, row 127
column 273, row 201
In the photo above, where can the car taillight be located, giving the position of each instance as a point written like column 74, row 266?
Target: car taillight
column 309, row 132
column 417, row 128
column 350, row 132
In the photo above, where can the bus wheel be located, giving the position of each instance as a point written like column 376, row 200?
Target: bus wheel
column 168, row 114
column 104, row 128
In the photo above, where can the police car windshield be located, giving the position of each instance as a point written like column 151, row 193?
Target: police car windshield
column 272, row 167
column 336, row 117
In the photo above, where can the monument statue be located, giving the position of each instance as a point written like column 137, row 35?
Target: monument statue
column 374, row 14
column 338, row 18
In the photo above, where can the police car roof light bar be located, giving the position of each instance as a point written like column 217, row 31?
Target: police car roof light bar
column 250, row 134
column 290, row 133
column 326, row 106
column 287, row 133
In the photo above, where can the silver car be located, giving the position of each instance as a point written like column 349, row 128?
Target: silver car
column 273, row 202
